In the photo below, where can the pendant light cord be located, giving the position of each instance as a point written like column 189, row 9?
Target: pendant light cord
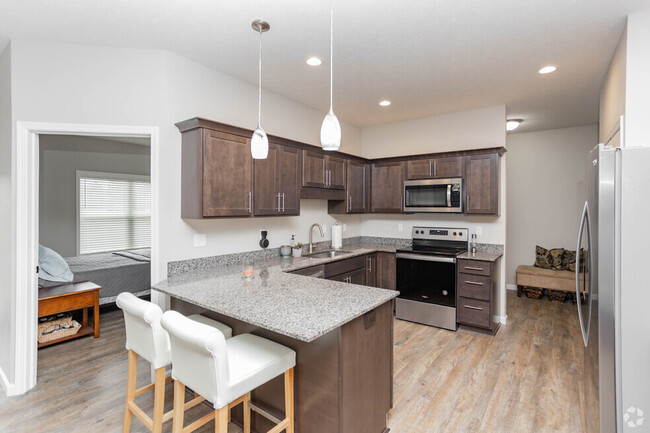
column 331, row 55
column 259, row 102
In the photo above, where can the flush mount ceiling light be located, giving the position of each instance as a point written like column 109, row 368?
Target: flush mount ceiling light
column 512, row 124
column 259, row 141
column 384, row 103
column 330, row 130
column 313, row 61
column 547, row 69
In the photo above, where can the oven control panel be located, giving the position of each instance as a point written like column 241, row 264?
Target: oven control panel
column 441, row 233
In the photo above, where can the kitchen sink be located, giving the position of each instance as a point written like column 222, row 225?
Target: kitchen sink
column 328, row 254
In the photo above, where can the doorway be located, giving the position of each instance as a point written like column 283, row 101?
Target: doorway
column 28, row 136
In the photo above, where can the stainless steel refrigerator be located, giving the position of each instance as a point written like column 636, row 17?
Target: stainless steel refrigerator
column 614, row 234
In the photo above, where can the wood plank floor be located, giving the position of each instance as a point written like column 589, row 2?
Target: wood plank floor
column 526, row 379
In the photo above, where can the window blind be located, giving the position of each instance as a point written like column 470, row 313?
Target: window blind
column 114, row 212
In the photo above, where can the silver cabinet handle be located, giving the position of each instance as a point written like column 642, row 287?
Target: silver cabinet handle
column 430, row 168
column 282, row 202
column 250, row 202
column 473, row 283
column 278, row 202
column 435, row 168
column 369, row 264
column 349, row 203
column 330, row 177
column 471, row 307
column 472, row 268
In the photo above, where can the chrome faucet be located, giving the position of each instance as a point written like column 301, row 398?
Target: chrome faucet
column 311, row 231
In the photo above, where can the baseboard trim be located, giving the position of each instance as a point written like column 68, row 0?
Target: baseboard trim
column 511, row 286
column 7, row 387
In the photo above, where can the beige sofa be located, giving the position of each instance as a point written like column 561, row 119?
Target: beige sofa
column 531, row 276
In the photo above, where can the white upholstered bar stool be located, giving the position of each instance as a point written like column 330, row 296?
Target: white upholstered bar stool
column 224, row 372
column 146, row 337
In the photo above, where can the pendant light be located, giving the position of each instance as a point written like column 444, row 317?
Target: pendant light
column 330, row 130
column 259, row 141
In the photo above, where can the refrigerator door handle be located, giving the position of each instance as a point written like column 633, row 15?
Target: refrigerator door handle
column 583, row 219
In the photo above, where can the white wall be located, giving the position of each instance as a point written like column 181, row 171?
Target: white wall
column 471, row 129
column 59, row 159
column 481, row 128
column 545, row 190
column 637, row 105
column 6, row 232
column 612, row 93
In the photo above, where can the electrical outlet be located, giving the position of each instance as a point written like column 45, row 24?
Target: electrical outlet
column 345, row 227
column 479, row 230
column 400, row 227
column 325, row 229
column 200, row 240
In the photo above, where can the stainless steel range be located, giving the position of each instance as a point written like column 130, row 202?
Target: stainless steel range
column 426, row 276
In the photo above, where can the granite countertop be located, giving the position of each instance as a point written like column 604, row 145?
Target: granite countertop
column 297, row 306
column 484, row 256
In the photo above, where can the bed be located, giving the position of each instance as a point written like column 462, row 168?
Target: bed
column 117, row 272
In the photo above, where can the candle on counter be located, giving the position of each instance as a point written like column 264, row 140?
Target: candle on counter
column 248, row 270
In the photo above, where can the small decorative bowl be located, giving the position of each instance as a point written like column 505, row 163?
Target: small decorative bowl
column 285, row 250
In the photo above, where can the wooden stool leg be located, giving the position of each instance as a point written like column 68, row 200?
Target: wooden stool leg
column 159, row 400
column 96, row 313
column 221, row 420
column 130, row 389
column 288, row 398
column 179, row 406
column 247, row 414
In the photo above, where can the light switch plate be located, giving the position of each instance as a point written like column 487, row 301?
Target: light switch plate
column 479, row 230
column 325, row 229
column 400, row 227
column 200, row 240
column 345, row 227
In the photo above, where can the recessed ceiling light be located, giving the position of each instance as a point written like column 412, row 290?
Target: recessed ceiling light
column 512, row 124
column 313, row 61
column 547, row 69
column 384, row 103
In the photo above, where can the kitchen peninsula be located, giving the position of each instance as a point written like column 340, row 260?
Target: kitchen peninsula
column 341, row 332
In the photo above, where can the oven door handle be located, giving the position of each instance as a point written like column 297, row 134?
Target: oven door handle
column 426, row 258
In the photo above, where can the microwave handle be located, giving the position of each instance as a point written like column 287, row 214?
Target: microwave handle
column 449, row 195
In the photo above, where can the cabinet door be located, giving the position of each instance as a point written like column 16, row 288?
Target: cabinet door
column 356, row 188
column 267, row 182
column 387, row 184
column 419, row 169
column 336, row 169
column 313, row 169
column 386, row 271
column 482, row 184
column 227, row 175
column 371, row 270
column 289, row 174
column 358, row 277
column 448, row 167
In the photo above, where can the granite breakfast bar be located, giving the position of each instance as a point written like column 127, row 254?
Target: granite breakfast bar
column 342, row 335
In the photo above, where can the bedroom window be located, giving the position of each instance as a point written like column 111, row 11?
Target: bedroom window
column 114, row 212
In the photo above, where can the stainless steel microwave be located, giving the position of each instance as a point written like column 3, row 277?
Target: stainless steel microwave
column 434, row 195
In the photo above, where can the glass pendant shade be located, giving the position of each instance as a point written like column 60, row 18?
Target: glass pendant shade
column 259, row 144
column 330, row 132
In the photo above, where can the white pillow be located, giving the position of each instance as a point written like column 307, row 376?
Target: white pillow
column 52, row 267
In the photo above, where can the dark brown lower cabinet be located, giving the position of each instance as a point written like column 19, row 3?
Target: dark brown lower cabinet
column 386, row 271
column 476, row 295
column 352, row 270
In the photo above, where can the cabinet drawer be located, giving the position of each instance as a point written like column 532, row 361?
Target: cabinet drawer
column 473, row 312
column 474, row 286
column 344, row 266
column 475, row 267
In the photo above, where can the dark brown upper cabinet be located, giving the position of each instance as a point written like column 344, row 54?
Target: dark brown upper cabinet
column 217, row 174
column 482, row 184
column 357, row 177
column 277, row 182
column 320, row 170
column 434, row 168
column 387, row 183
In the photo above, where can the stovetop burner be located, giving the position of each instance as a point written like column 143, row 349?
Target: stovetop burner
column 450, row 242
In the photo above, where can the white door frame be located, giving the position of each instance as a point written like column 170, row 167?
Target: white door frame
column 27, row 219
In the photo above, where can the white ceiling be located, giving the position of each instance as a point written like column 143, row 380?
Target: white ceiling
column 427, row 56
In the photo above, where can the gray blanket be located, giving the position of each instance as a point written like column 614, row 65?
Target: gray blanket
column 114, row 272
